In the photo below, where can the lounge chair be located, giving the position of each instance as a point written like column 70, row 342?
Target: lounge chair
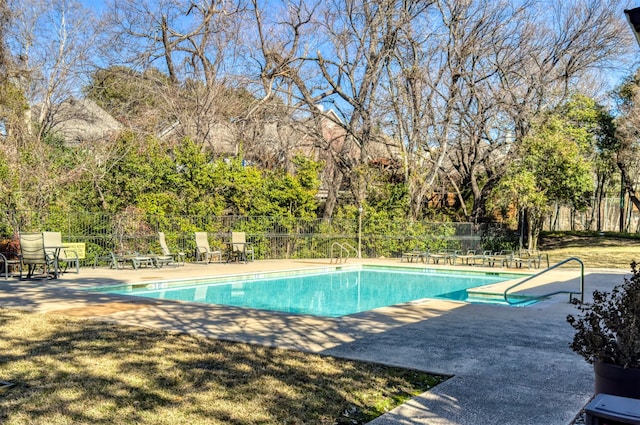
column 504, row 258
column 118, row 261
column 537, row 257
column 416, row 255
column 114, row 260
column 240, row 248
column 204, row 253
column 140, row 260
column 32, row 255
column 484, row 257
column 167, row 257
column 444, row 255
column 58, row 254
column 464, row 257
column 530, row 258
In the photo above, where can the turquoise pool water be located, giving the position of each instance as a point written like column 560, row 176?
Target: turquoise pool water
column 327, row 292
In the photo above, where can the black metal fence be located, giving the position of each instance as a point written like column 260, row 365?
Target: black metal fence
column 272, row 237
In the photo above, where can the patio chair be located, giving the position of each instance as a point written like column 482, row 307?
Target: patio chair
column 9, row 259
column 240, row 248
column 167, row 257
column 60, row 256
column 32, row 254
column 204, row 253
column 5, row 265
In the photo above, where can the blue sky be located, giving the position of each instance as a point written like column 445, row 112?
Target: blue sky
column 94, row 4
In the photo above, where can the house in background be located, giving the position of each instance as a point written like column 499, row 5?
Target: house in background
column 81, row 121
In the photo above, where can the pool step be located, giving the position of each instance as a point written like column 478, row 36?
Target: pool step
column 485, row 297
column 493, row 297
column 475, row 297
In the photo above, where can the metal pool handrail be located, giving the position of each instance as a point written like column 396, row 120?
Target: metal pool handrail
column 344, row 247
column 506, row 291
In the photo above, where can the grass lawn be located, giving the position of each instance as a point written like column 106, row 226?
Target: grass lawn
column 73, row 371
column 594, row 251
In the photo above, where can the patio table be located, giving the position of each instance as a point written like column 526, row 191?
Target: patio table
column 56, row 253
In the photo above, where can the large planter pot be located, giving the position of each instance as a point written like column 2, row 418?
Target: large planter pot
column 616, row 380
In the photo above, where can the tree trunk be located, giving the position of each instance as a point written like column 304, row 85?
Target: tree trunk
column 332, row 195
column 626, row 188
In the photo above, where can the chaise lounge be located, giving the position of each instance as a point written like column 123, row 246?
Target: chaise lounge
column 464, row 258
column 167, row 257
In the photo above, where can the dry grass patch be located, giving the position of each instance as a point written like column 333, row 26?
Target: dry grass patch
column 73, row 371
column 607, row 257
column 595, row 251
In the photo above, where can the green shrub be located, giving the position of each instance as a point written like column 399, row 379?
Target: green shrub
column 608, row 330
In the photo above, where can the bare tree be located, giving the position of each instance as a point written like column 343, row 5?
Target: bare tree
column 440, row 87
column 12, row 101
column 560, row 45
column 628, row 135
column 530, row 63
column 485, row 39
column 354, row 41
column 194, row 43
column 450, row 84
column 52, row 40
column 5, row 55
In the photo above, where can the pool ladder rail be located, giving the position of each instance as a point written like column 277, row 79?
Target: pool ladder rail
column 555, row 266
column 343, row 252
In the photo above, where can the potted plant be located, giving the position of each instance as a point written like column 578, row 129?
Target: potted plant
column 608, row 336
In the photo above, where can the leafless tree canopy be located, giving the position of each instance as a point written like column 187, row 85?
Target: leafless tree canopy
column 445, row 87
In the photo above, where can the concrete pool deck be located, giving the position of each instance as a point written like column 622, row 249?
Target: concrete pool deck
column 509, row 365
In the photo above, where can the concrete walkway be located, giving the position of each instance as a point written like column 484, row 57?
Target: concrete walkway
column 509, row 365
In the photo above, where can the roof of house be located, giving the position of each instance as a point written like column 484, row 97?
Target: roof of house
column 82, row 120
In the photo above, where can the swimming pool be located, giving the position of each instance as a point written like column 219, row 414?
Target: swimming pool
column 329, row 292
